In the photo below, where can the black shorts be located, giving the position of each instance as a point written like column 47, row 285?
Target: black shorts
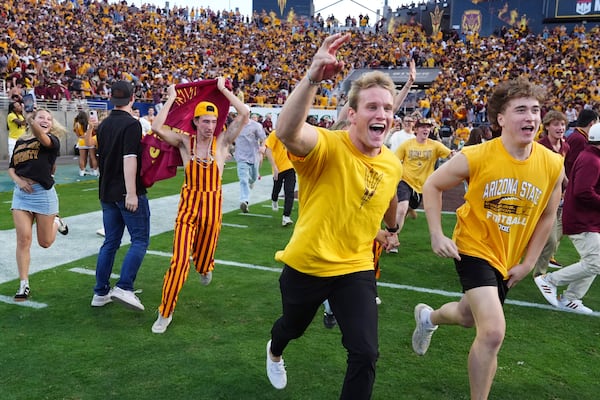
column 405, row 192
column 476, row 272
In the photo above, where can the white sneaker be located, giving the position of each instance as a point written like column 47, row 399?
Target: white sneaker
column 100, row 232
column 95, row 172
column 422, row 334
column 393, row 250
column 573, row 306
column 285, row 221
column 161, row 324
column 101, row 301
column 275, row 370
column 548, row 289
column 206, row 278
column 274, row 206
column 377, row 300
column 127, row 298
column 82, row 172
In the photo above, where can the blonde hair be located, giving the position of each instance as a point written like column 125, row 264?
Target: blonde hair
column 57, row 128
column 367, row 81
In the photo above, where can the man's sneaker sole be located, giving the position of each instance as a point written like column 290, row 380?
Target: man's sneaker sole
column 421, row 338
column 547, row 289
column 24, row 295
column 119, row 295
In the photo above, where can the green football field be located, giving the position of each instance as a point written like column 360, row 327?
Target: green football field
column 215, row 346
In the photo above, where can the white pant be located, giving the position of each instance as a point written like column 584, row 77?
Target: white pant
column 581, row 275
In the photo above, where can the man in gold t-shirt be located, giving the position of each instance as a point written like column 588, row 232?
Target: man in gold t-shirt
column 347, row 181
column 510, row 205
column 418, row 157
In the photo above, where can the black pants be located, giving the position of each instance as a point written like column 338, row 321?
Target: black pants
column 352, row 300
column 287, row 179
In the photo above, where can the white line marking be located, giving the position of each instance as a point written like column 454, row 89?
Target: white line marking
column 256, row 215
column 382, row 284
column 26, row 303
column 91, row 272
column 390, row 285
column 235, row 225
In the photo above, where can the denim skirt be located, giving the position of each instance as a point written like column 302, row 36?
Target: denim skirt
column 41, row 201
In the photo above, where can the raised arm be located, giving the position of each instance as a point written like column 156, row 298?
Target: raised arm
column 298, row 136
column 243, row 114
column 159, row 127
column 401, row 95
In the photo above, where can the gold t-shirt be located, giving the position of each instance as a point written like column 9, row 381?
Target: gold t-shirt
column 343, row 195
column 504, row 201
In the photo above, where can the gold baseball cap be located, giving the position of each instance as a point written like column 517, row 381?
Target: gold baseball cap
column 206, row 108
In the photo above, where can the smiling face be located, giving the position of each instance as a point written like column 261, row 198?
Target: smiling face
column 371, row 120
column 422, row 132
column 43, row 121
column 556, row 129
column 520, row 120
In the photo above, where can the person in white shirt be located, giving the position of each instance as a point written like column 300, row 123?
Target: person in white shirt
column 407, row 132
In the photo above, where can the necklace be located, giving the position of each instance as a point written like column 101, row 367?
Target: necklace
column 205, row 162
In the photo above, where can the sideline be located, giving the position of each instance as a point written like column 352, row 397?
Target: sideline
column 82, row 240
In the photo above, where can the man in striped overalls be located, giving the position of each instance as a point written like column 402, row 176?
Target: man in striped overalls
column 198, row 221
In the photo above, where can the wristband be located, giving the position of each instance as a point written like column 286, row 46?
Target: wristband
column 311, row 82
column 393, row 230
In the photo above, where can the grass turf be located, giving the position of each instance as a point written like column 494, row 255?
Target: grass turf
column 215, row 347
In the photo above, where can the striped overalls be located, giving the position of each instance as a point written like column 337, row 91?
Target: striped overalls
column 197, row 227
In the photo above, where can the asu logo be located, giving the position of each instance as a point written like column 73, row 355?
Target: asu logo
column 154, row 153
column 471, row 21
column 281, row 4
column 583, row 6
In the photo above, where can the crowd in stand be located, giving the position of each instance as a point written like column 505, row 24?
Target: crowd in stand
column 77, row 49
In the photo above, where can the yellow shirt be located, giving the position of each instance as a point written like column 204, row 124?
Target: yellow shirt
column 418, row 160
column 504, row 201
column 15, row 131
column 343, row 195
column 280, row 154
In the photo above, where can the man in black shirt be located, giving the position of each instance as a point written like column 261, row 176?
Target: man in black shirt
column 123, row 199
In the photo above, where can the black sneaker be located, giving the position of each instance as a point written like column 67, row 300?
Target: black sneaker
column 62, row 225
column 22, row 294
column 329, row 320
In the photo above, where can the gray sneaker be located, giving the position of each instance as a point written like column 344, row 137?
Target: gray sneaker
column 127, row 298
column 161, row 324
column 421, row 337
column 206, row 278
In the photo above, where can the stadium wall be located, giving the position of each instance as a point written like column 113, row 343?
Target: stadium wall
column 488, row 17
column 282, row 8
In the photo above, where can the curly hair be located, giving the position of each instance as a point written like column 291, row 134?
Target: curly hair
column 509, row 90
